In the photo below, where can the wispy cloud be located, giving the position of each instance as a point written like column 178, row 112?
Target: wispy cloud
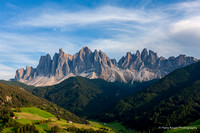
column 105, row 14
column 186, row 7
column 142, row 28
column 6, row 72
column 21, row 43
column 185, row 29
column 119, row 46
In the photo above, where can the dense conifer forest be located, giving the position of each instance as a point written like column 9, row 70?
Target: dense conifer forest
column 172, row 101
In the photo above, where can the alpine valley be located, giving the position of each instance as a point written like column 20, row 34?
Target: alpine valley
column 99, row 66
column 91, row 93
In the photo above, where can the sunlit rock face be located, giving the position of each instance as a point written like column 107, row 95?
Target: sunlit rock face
column 142, row 66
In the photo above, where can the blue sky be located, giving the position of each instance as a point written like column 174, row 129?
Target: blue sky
column 31, row 28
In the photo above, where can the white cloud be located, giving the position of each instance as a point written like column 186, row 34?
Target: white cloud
column 22, row 43
column 186, row 32
column 187, row 7
column 189, row 25
column 160, row 29
column 116, row 48
column 185, row 29
column 6, row 72
column 106, row 14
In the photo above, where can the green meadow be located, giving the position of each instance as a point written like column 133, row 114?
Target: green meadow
column 185, row 129
column 39, row 117
column 114, row 126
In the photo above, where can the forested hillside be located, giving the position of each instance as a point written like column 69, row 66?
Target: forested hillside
column 173, row 101
column 86, row 97
column 18, row 84
column 16, row 97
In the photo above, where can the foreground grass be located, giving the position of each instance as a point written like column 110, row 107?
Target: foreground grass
column 43, row 128
column 111, row 127
column 185, row 129
column 8, row 130
column 37, row 111
column 34, row 115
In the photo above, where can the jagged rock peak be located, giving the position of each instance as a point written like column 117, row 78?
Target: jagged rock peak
column 152, row 53
column 101, row 53
column 144, row 53
column 132, row 67
column 128, row 53
column 85, row 50
column 60, row 50
column 145, row 50
column 137, row 53
column 28, row 67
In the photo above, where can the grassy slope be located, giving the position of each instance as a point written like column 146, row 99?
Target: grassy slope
column 19, row 97
column 31, row 114
column 8, row 130
column 185, row 129
column 34, row 110
column 116, row 126
column 38, row 114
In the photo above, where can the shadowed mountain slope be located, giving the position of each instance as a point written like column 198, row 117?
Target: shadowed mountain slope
column 87, row 97
column 15, row 97
column 173, row 101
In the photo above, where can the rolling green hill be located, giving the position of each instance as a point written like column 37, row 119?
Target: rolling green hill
column 16, row 97
column 172, row 101
column 35, row 120
column 86, row 97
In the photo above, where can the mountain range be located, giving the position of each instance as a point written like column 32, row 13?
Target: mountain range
column 142, row 66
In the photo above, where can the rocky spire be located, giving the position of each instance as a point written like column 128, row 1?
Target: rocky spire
column 139, row 66
column 84, row 52
column 144, row 54
column 61, row 51
column 44, row 67
column 19, row 74
column 138, row 53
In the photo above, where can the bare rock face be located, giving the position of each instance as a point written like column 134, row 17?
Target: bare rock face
column 142, row 66
column 44, row 67
column 19, row 74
